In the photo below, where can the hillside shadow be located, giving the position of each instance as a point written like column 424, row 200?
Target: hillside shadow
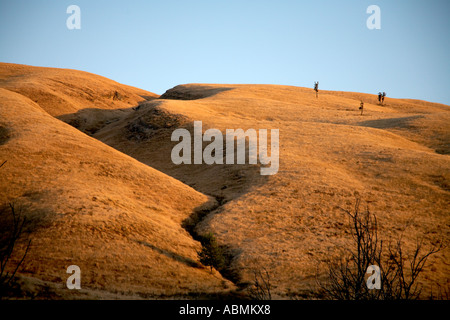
column 391, row 123
column 144, row 133
column 224, row 181
column 4, row 135
column 424, row 132
column 193, row 92
column 172, row 255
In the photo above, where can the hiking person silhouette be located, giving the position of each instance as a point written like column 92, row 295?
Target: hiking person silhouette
column 361, row 107
column 316, row 87
column 382, row 97
column 379, row 97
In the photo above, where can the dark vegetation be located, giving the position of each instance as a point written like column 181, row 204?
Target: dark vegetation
column 399, row 271
column 11, row 230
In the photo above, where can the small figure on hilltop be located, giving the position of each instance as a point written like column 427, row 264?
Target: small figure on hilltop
column 382, row 97
column 361, row 107
column 379, row 97
column 316, row 87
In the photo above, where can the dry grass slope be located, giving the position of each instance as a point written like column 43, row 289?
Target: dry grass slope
column 122, row 219
column 394, row 157
column 90, row 205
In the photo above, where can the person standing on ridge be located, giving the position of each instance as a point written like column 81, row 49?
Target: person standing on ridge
column 316, row 87
column 382, row 97
column 379, row 97
column 361, row 107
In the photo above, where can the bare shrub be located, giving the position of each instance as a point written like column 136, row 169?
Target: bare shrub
column 11, row 232
column 347, row 277
column 260, row 289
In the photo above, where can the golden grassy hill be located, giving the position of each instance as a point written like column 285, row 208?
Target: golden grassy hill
column 394, row 157
column 62, row 91
column 87, row 204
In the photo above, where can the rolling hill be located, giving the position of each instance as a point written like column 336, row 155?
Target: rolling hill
column 87, row 204
column 108, row 196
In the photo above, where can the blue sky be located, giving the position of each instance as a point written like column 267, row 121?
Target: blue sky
column 155, row 45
